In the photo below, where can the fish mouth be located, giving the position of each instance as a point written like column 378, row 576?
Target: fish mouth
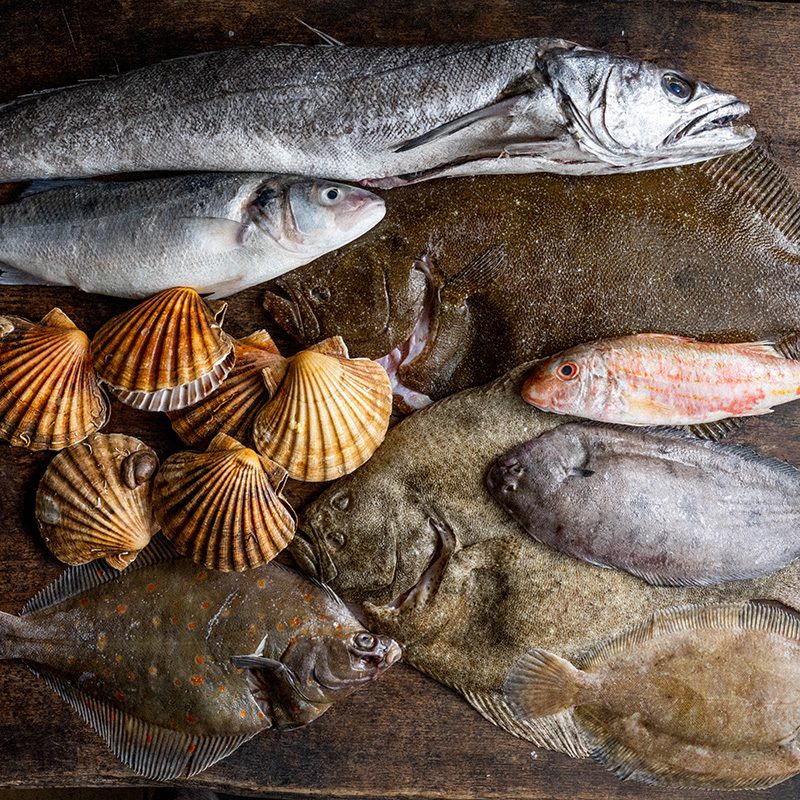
column 309, row 558
column 422, row 593
column 406, row 399
column 285, row 308
column 717, row 119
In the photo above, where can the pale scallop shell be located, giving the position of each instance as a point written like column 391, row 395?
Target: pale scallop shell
column 167, row 353
column 94, row 500
column 231, row 408
column 224, row 508
column 329, row 414
column 49, row 396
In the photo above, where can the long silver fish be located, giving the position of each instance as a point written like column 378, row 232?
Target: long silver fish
column 402, row 113
column 218, row 233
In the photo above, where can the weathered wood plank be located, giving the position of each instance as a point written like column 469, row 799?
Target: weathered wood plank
column 406, row 736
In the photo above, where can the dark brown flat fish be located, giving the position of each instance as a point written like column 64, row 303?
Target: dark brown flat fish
column 694, row 696
column 176, row 666
column 465, row 279
column 663, row 505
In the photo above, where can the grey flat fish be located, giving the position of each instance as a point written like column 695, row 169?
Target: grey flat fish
column 448, row 573
column 664, row 505
column 217, row 233
column 376, row 112
column 176, row 666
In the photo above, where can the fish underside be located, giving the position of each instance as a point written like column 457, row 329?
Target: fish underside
column 465, row 279
column 396, row 113
column 416, row 537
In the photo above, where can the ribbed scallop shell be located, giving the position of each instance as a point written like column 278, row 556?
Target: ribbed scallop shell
column 231, row 408
column 328, row 415
column 94, row 500
column 224, row 508
column 49, row 396
column 167, row 353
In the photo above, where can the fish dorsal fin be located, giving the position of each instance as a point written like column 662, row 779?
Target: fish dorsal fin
column 75, row 580
column 716, row 431
column 151, row 751
column 541, row 684
column 752, row 176
column 756, row 615
column 476, row 276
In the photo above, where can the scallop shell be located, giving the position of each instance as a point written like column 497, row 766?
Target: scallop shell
column 49, row 396
column 231, row 408
column 224, row 508
column 328, row 415
column 94, row 500
column 167, row 353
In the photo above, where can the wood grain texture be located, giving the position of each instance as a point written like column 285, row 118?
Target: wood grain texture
column 405, row 737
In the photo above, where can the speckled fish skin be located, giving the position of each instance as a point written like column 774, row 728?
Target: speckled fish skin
column 154, row 648
column 653, row 379
column 368, row 112
column 494, row 593
column 217, row 233
column 663, row 505
column 693, row 696
column 677, row 251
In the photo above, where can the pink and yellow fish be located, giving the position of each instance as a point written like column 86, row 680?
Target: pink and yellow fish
column 656, row 379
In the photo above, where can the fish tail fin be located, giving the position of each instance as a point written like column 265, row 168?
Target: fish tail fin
column 11, row 276
column 9, row 635
column 541, row 684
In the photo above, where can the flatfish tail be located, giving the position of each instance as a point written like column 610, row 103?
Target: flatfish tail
column 154, row 752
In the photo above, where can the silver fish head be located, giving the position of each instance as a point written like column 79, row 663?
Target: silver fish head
column 635, row 114
column 311, row 217
column 318, row 301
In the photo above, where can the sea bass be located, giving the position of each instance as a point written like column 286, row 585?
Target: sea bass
column 655, row 379
column 445, row 571
column 217, row 233
column 176, row 666
column 693, row 696
column 465, row 279
column 354, row 113
column 664, row 505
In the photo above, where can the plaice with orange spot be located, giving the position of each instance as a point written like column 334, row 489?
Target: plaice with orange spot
column 657, row 379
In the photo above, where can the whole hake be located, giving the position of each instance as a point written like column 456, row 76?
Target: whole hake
column 217, row 233
column 445, row 571
column 376, row 112
column 465, row 279
column 176, row 666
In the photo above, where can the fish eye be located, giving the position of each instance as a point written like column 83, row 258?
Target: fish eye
column 336, row 539
column 320, row 293
column 364, row 641
column 675, row 87
column 567, row 371
column 331, row 195
column 340, row 501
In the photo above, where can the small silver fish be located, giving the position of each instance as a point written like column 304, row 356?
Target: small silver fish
column 693, row 696
column 176, row 666
column 396, row 113
column 217, row 233
column 666, row 506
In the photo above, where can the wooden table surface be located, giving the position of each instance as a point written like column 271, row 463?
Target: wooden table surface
column 406, row 736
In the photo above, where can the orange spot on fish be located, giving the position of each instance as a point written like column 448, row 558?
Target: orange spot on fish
column 205, row 604
column 191, row 748
column 197, row 680
column 101, row 642
column 294, row 621
column 261, row 715
column 149, row 738
column 198, row 659
column 70, row 659
column 202, row 576
column 339, row 628
column 173, row 620
column 191, row 626
column 280, row 626
column 191, row 719
column 151, row 587
column 153, row 670
column 295, row 709
column 83, row 602
column 118, row 658
column 178, row 682
column 131, row 676
column 239, row 670
column 242, row 713
column 307, row 598
column 121, row 609
column 98, row 572
column 262, row 584
column 156, row 621
column 221, row 687
column 293, row 640
column 119, row 695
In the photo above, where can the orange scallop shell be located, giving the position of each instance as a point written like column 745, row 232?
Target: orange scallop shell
column 224, row 508
column 231, row 408
column 94, row 500
column 329, row 413
column 167, row 353
column 49, row 396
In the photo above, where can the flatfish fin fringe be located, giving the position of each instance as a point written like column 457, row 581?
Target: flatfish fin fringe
column 153, row 752
column 752, row 176
column 76, row 580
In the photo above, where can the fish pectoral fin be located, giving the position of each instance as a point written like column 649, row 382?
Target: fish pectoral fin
column 649, row 411
column 500, row 109
column 214, row 234
column 476, row 276
column 542, row 683
column 156, row 753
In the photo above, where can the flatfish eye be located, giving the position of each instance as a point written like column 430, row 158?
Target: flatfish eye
column 568, row 371
column 364, row 641
column 675, row 87
column 336, row 539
